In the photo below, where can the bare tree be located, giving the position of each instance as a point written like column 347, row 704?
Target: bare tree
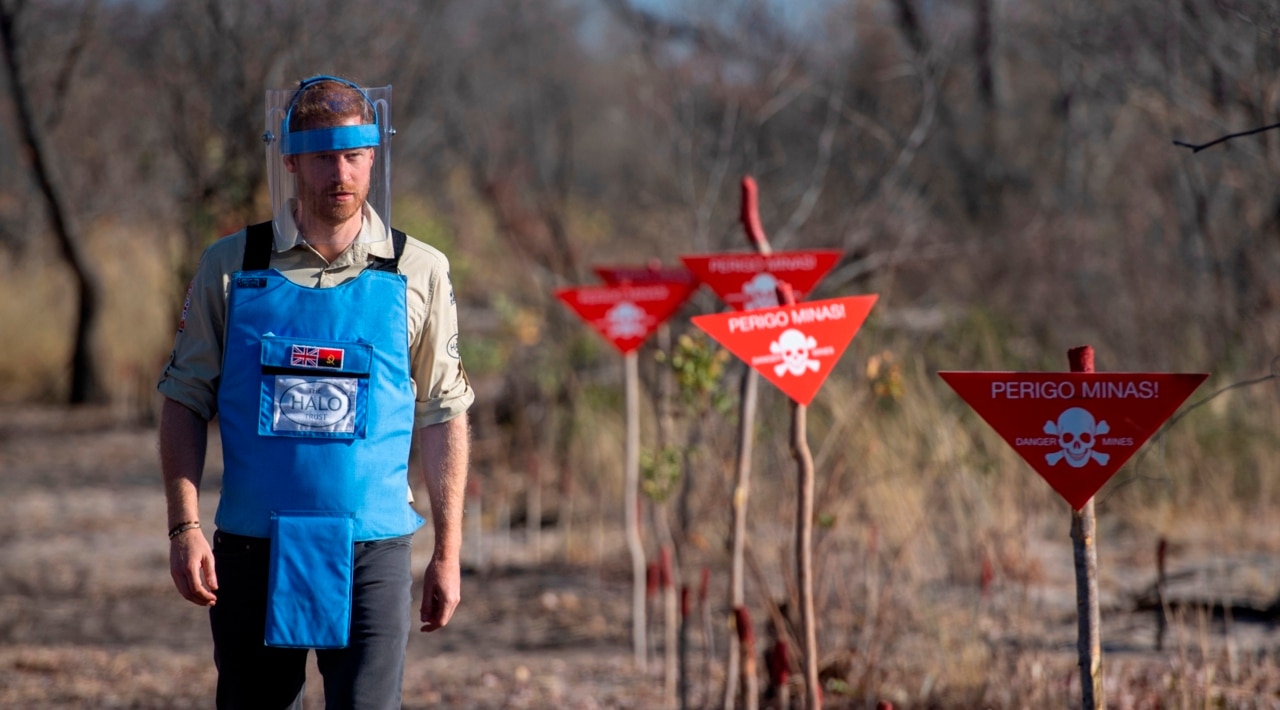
column 86, row 380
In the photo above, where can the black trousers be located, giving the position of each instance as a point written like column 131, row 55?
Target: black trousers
column 368, row 673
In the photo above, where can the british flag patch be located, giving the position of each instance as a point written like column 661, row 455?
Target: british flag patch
column 310, row 356
column 305, row 356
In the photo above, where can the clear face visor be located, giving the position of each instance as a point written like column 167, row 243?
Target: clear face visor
column 328, row 166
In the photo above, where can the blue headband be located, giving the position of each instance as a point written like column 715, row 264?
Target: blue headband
column 365, row 135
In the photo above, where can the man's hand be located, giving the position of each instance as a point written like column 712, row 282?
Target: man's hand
column 183, row 440
column 445, row 450
column 191, row 566
column 441, row 592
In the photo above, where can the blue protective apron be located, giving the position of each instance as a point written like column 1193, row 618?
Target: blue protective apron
column 315, row 408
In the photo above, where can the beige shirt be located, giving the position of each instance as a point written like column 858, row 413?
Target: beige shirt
column 441, row 388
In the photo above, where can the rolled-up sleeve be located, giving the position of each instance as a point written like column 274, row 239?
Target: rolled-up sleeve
column 443, row 391
column 195, row 367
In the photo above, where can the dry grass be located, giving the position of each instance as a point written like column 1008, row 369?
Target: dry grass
column 943, row 562
column 88, row 618
column 137, row 317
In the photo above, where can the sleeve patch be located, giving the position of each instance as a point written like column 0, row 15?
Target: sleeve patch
column 186, row 306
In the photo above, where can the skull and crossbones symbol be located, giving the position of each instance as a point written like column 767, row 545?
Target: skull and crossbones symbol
column 794, row 348
column 761, row 292
column 625, row 320
column 1077, row 434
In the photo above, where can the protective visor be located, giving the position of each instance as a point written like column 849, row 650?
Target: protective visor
column 282, row 145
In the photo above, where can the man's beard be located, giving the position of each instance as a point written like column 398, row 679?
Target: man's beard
column 327, row 210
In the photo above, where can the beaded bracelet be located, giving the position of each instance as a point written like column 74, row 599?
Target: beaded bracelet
column 183, row 527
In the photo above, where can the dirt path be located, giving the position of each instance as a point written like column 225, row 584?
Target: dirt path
column 89, row 619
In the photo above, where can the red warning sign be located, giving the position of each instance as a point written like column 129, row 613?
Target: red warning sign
column 794, row 347
column 1076, row 429
column 749, row 281
column 626, row 315
column 654, row 273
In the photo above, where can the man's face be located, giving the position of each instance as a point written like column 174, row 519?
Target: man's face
column 332, row 185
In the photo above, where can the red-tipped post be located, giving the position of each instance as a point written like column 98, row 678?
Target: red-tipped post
column 1084, row 530
column 786, row 294
column 747, row 642
column 751, row 216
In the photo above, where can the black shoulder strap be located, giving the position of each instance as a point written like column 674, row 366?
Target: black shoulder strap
column 257, row 246
column 381, row 263
column 259, row 238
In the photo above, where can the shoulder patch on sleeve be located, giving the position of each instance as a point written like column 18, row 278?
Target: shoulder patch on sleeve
column 186, row 306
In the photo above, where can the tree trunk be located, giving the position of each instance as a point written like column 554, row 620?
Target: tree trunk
column 741, row 495
column 632, row 513
column 804, row 555
column 86, row 380
column 1084, row 530
column 749, row 216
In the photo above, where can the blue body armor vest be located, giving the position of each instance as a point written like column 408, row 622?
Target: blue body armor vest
column 316, row 404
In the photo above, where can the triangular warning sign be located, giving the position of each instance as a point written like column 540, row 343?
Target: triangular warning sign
column 1076, row 429
column 650, row 273
column 748, row 281
column 626, row 315
column 794, row 347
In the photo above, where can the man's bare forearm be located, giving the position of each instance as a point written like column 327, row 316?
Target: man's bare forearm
column 184, row 437
column 445, row 451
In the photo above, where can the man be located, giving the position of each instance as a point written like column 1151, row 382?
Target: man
column 324, row 343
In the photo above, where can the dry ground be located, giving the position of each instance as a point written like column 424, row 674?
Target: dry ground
column 88, row 617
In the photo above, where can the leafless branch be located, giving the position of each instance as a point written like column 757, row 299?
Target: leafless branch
column 1275, row 375
column 782, row 99
column 1196, row 148
column 1173, row 421
column 919, row 132
column 62, row 84
column 724, row 155
column 652, row 26
column 818, row 177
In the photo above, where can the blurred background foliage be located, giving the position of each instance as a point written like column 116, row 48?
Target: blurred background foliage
column 1001, row 172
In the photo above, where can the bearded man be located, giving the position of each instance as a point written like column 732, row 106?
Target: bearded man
column 324, row 342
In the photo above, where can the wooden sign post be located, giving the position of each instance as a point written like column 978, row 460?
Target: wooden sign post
column 795, row 346
column 744, row 282
column 625, row 316
column 654, row 272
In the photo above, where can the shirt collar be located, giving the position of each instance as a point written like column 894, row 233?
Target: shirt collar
column 371, row 241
